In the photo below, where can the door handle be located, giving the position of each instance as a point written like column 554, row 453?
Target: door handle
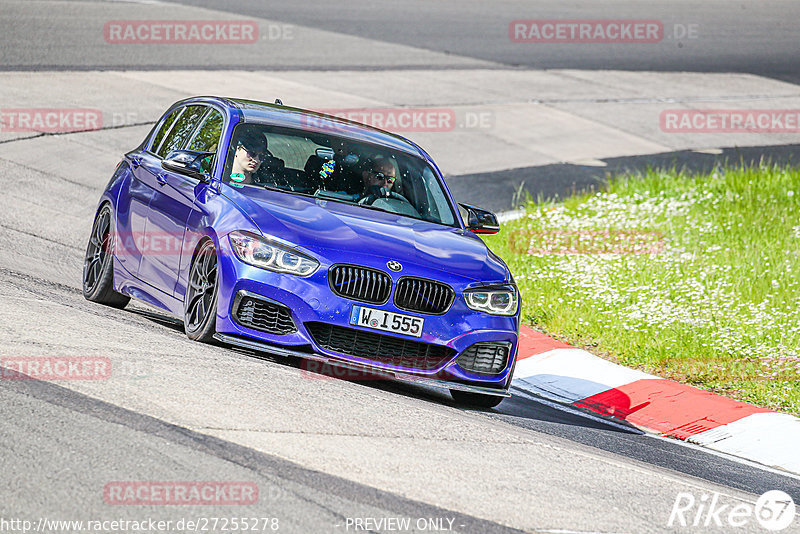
column 162, row 178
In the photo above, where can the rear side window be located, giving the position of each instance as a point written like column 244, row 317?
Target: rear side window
column 165, row 127
column 206, row 137
column 181, row 129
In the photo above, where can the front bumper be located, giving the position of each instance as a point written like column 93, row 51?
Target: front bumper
column 311, row 300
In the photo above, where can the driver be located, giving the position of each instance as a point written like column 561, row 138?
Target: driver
column 378, row 176
column 251, row 151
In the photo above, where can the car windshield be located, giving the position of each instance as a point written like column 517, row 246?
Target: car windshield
column 335, row 168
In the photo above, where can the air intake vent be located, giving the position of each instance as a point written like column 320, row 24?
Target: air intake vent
column 360, row 283
column 379, row 347
column 424, row 296
column 264, row 315
column 485, row 358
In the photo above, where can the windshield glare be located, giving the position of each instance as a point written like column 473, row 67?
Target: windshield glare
column 335, row 168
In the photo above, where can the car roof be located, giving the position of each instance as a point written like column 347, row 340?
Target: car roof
column 253, row 111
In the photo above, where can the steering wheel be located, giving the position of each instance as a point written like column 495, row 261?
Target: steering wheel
column 384, row 193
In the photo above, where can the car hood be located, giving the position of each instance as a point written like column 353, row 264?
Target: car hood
column 346, row 233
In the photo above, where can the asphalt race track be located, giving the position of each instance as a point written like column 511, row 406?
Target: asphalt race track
column 331, row 455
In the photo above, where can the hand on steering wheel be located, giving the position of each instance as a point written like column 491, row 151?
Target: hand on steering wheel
column 383, row 192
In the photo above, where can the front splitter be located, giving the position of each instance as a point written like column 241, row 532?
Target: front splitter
column 386, row 373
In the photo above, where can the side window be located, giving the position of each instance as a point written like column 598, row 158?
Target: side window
column 206, row 137
column 165, row 127
column 183, row 127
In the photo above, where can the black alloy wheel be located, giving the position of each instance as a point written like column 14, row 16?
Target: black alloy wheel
column 200, row 304
column 98, row 273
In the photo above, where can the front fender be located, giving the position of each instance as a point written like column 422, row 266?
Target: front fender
column 215, row 217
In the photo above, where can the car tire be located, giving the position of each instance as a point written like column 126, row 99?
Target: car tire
column 98, row 271
column 475, row 400
column 200, row 303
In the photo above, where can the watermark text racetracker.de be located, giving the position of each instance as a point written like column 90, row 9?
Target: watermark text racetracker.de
column 64, row 120
column 598, row 31
column 55, row 368
column 155, row 493
column 50, row 120
column 192, row 32
column 403, row 119
column 730, row 121
column 66, row 368
column 149, row 244
column 774, row 510
column 318, row 370
column 547, row 242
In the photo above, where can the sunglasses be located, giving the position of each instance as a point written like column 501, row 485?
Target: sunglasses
column 381, row 176
column 255, row 155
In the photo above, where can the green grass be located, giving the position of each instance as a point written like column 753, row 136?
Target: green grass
column 690, row 277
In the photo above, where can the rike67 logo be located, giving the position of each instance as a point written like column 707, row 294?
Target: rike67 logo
column 774, row 511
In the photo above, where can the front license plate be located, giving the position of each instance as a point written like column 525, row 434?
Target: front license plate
column 387, row 321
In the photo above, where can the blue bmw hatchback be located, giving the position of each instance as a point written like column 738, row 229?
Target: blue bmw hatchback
column 301, row 234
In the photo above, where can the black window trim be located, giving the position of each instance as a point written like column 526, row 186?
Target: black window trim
column 183, row 109
column 154, row 150
column 171, row 126
column 211, row 107
column 197, row 128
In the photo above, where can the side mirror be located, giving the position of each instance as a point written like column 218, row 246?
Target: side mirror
column 480, row 221
column 189, row 163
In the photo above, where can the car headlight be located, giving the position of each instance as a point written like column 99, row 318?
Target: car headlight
column 494, row 300
column 259, row 252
